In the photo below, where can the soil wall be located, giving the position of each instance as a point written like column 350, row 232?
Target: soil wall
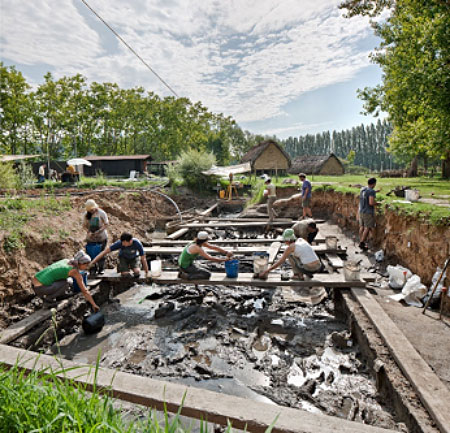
column 405, row 240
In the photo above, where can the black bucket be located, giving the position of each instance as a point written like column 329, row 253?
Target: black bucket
column 94, row 323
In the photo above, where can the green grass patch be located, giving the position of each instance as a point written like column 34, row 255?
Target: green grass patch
column 42, row 401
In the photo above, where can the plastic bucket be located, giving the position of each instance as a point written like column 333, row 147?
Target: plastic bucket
column 412, row 194
column 75, row 286
column 155, row 267
column 260, row 263
column 232, row 268
column 331, row 242
column 94, row 323
column 351, row 271
column 93, row 249
column 222, row 193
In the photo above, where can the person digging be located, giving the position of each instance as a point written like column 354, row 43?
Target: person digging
column 51, row 283
column 187, row 269
column 130, row 252
column 302, row 257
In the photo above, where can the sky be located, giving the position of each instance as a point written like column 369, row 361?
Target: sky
column 278, row 67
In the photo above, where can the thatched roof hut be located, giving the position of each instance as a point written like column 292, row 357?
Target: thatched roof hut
column 268, row 157
column 317, row 164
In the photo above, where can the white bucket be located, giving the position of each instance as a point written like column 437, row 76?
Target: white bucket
column 331, row 242
column 412, row 194
column 351, row 271
column 155, row 267
column 260, row 264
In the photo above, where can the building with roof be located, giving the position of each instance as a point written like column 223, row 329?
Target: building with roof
column 119, row 165
column 267, row 157
column 317, row 164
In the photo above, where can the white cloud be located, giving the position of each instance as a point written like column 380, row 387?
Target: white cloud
column 246, row 58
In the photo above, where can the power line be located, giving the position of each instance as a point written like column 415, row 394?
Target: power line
column 129, row 47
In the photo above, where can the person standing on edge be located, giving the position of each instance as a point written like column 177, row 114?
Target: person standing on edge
column 306, row 195
column 130, row 249
column 271, row 193
column 366, row 212
column 95, row 222
column 191, row 251
column 51, row 283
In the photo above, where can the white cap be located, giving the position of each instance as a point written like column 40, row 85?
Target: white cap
column 202, row 235
column 90, row 204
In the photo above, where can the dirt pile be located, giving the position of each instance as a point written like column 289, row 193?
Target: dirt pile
column 50, row 237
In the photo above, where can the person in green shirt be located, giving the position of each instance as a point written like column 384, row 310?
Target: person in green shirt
column 190, row 252
column 51, row 283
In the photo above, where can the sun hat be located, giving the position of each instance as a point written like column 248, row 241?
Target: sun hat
column 268, row 179
column 90, row 204
column 202, row 235
column 302, row 175
column 289, row 235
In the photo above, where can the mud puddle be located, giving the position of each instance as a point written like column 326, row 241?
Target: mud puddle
column 243, row 341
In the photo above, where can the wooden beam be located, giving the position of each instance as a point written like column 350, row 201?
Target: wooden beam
column 168, row 242
column 176, row 250
column 335, row 261
column 247, row 279
column 177, row 234
column 15, row 331
column 434, row 395
column 183, row 230
column 223, row 224
column 273, row 251
column 255, row 417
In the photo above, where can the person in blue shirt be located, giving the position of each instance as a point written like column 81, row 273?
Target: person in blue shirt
column 306, row 195
column 130, row 252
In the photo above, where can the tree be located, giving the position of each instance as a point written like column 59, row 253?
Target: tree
column 414, row 55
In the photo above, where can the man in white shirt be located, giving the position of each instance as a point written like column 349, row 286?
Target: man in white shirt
column 271, row 194
column 301, row 255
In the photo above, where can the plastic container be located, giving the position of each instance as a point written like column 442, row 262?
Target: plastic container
column 351, row 271
column 93, row 249
column 76, row 288
column 331, row 242
column 412, row 194
column 260, row 264
column 232, row 268
column 222, row 193
column 94, row 323
column 155, row 267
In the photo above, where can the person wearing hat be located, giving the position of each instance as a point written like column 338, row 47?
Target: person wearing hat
column 95, row 222
column 301, row 254
column 306, row 195
column 130, row 252
column 51, row 283
column 191, row 251
column 271, row 193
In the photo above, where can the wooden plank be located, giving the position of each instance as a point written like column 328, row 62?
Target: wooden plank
column 167, row 251
column 434, row 395
column 183, row 230
column 243, row 220
column 93, row 283
column 335, row 261
column 253, row 416
column 19, row 328
column 177, row 234
column 247, row 279
column 273, row 251
column 168, row 242
column 222, row 224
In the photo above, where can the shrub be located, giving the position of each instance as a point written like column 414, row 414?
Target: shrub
column 25, row 176
column 190, row 166
column 8, row 176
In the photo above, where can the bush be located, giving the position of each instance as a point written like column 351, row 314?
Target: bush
column 190, row 166
column 25, row 176
column 8, row 176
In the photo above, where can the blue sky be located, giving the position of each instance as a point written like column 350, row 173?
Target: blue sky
column 284, row 67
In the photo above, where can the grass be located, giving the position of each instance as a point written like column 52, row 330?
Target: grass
column 46, row 401
column 15, row 213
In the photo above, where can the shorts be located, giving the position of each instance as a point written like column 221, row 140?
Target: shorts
column 126, row 264
column 306, row 202
column 367, row 220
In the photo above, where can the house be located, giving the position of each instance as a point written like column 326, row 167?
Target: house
column 119, row 165
column 317, row 164
column 267, row 157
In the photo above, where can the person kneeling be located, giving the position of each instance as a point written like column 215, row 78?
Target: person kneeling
column 51, row 283
column 130, row 249
column 191, row 251
column 301, row 255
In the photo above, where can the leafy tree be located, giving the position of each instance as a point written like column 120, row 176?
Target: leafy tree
column 414, row 55
column 190, row 165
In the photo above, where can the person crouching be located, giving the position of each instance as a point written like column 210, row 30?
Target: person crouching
column 191, row 251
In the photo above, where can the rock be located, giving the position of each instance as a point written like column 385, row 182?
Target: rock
column 164, row 309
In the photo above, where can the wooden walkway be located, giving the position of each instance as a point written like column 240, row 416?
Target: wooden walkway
column 247, row 279
column 236, row 225
column 171, row 243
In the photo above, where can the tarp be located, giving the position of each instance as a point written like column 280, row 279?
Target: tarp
column 9, row 158
column 78, row 161
column 225, row 171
